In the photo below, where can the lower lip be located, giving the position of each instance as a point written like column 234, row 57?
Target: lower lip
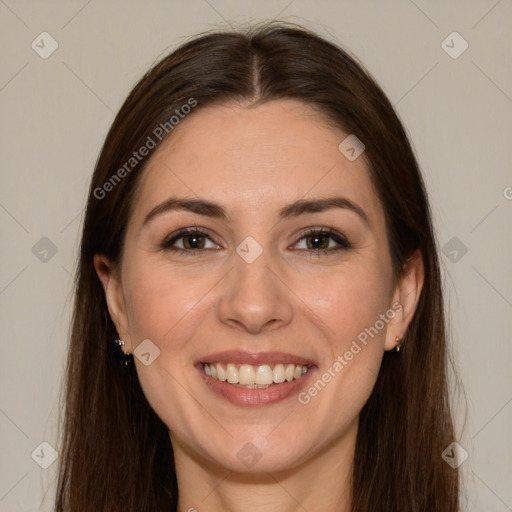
column 255, row 396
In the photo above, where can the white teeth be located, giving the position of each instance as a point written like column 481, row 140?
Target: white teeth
column 279, row 375
column 264, row 375
column 221, row 373
column 246, row 374
column 255, row 376
column 232, row 373
column 289, row 372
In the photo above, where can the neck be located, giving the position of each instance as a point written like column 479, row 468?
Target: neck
column 322, row 482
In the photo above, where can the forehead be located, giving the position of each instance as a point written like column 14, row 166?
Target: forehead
column 255, row 159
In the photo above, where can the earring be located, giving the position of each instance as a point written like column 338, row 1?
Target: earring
column 127, row 355
column 398, row 340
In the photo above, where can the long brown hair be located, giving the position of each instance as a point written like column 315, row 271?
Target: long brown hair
column 116, row 454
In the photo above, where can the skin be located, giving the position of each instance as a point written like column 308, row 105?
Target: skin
column 253, row 161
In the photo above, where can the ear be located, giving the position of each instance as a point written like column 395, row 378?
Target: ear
column 405, row 299
column 111, row 281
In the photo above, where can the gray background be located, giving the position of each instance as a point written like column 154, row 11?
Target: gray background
column 55, row 115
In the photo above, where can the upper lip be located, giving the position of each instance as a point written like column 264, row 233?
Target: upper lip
column 254, row 358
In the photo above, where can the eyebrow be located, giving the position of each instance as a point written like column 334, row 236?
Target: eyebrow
column 214, row 210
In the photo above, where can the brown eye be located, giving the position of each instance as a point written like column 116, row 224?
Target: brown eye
column 192, row 240
column 319, row 241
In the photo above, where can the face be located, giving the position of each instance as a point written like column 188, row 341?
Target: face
column 257, row 285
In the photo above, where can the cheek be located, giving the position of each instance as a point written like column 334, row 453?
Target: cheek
column 168, row 308
column 158, row 299
column 348, row 301
column 352, row 307
column 165, row 307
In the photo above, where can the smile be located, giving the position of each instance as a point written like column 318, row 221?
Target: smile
column 255, row 376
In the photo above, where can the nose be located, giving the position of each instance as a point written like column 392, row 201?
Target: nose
column 254, row 297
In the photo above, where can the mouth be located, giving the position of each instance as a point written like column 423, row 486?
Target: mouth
column 249, row 379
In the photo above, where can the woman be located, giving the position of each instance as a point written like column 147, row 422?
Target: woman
column 259, row 319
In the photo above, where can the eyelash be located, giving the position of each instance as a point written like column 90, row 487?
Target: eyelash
column 323, row 232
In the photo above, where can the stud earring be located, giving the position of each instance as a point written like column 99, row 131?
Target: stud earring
column 127, row 355
column 398, row 340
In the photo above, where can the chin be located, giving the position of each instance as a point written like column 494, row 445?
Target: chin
column 248, row 455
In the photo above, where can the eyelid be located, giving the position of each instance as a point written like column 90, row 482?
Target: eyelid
column 192, row 230
column 329, row 232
